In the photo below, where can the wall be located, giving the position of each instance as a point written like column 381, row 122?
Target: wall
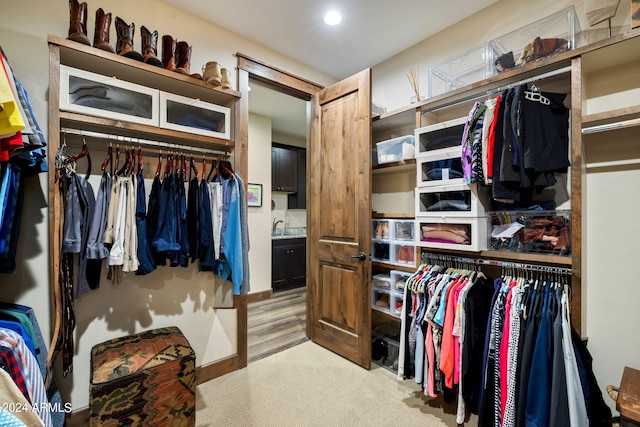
column 182, row 297
column 260, row 218
column 391, row 87
column 609, row 297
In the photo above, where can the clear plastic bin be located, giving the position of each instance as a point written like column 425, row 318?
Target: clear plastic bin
column 393, row 241
column 540, row 232
column 461, row 70
column 396, row 149
column 543, row 38
column 464, row 234
column 456, row 200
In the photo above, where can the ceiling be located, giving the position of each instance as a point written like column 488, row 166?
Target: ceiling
column 371, row 31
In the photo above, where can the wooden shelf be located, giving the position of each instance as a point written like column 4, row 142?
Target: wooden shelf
column 527, row 258
column 611, row 116
column 397, row 118
column 392, row 215
column 389, row 266
column 135, row 130
column 515, row 257
column 384, row 314
column 401, row 166
column 106, row 63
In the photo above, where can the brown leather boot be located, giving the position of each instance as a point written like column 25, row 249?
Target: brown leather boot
column 124, row 45
column 78, row 22
column 169, row 52
column 183, row 62
column 183, row 58
column 101, row 33
column 150, row 47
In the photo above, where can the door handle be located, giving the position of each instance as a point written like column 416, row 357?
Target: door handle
column 361, row 256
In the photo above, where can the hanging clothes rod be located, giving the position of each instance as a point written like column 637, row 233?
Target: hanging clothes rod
column 501, row 88
column 147, row 142
column 499, row 263
column 611, row 126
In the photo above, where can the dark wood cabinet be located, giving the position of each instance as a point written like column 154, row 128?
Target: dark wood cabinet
column 298, row 200
column 284, row 169
column 288, row 264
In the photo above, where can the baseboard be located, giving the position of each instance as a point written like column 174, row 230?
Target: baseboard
column 80, row 418
column 217, row 369
column 258, row 296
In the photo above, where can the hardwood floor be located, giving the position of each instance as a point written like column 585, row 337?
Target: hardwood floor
column 276, row 324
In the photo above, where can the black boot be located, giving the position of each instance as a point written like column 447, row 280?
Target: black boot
column 124, row 45
column 150, row 47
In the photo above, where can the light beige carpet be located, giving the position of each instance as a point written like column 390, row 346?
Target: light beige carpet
column 308, row 385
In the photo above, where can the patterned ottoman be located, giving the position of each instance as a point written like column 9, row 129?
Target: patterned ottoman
column 146, row 379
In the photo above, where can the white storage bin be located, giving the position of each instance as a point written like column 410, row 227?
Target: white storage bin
column 403, row 254
column 381, row 229
column 446, row 232
column 440, row 167
column 194, row 116
column 393, row 241
column 461, row 200
column 381, row 281
column 441, row 135
column 387, row 301
column 461, row 70
column 396, row 149
column 398, row 280
column 385, row 348
column 403, row 230
column 93, row 94
column 381, row 300
column 381, row 251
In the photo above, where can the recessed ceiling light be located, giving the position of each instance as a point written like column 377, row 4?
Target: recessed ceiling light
column 332, row 17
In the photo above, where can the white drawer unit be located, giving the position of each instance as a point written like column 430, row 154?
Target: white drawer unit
column 439, row 136
column 446, row 232
column 393, row 241
column 93, row 94
column 460, row 200
column 194, row 116
column 387, row 299
column 440, row 167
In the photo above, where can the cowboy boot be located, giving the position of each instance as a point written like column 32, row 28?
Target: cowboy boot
column 212, row 74
column 124, row 45
column 183, row 58
column 150, row 47
column 169, row 52
column 78, row 22
column 183, row 62
column 226, row 79
column 101, row 33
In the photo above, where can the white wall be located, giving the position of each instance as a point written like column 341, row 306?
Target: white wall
column 181, row 297
column 260, row 218
column 609, row 293
column 391, row 87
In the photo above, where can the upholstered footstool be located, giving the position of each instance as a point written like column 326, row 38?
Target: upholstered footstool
column 146, row 379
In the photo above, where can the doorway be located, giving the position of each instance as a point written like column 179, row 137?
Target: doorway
column 279, row 323
column 272, row 93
